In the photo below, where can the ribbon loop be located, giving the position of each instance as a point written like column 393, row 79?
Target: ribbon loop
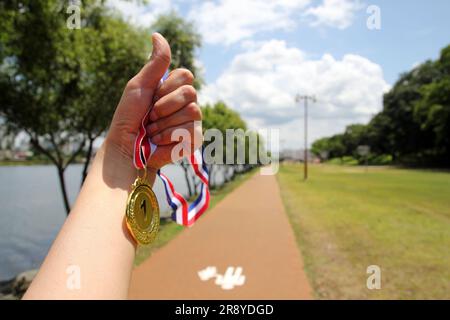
column 183, row 212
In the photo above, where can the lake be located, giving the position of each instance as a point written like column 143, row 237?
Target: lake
column 32, row 211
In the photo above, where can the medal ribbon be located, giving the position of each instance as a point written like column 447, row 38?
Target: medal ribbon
column 183, row 212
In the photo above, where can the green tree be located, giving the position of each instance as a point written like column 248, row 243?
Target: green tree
column 414, row 125
column 219, row 116
column 321, row 147
column 184, row 40
column 432, row 112
column 402, row 133
column 334, row 146
column 60, row 85
column 354, row 136
column 120, row 50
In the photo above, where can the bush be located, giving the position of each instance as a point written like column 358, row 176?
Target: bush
column 380, row 160
column 346, row 160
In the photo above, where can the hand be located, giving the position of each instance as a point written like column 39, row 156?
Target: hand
column 175, row 107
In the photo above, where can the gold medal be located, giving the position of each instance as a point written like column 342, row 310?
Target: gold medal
column 142, row 212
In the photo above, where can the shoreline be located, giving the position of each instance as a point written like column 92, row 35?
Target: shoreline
column 14, row 288
column 27, row 163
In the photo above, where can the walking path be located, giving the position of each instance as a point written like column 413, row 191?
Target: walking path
column 247, row 229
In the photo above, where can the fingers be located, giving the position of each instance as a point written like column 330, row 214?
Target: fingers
column 180, row 133
column 189, row 113
column 191, row 139
column 173, row 102
column 176, row 79
column 153, row 71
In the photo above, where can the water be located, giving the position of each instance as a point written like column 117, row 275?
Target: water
column 32, row 211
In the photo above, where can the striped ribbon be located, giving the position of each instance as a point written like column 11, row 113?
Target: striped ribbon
column 183, row 212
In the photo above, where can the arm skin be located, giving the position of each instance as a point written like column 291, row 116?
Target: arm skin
column 94, row 240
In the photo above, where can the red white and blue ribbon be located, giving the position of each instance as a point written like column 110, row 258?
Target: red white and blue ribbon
column 183, row 212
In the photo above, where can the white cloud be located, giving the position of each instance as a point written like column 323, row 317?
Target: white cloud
column 334, row 13
column 142, row 14
column 229, row 21
column 261, row 84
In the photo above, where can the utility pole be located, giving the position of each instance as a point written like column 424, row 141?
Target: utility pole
column 305, row 98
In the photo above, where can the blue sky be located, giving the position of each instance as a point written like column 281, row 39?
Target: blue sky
column 412, row 32
column 258, row 54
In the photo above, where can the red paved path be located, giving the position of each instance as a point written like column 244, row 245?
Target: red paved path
column 248, row 228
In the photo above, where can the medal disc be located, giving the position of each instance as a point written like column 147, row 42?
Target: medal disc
column 142, row 213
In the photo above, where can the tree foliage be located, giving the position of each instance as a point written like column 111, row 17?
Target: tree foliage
column 414, row 125
column 221, row 117
column 184, row 40
column 61, row 85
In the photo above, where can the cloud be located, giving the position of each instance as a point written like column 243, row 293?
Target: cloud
column 261, row 83
column 334, row 13
column 226, row 22
column 229, row 21
column 142, row 14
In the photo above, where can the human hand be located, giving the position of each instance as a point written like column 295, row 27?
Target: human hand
column 175, row 107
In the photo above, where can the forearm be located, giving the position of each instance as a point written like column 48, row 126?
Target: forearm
column 94, row 239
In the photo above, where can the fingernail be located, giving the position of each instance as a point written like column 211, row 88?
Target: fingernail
column 155, row 46
column 156, row 139
column 151, row 52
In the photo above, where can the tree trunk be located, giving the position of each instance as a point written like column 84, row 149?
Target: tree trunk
column 58, row 161
column 87, row 161
column 211, row 180
column 186, row 176
column 62, row 183
column 194, row 183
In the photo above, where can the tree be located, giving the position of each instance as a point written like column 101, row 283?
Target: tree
column 219, row 116
column 60, row 85
column 7, row 138
column 402, row 132
column 119, row 52
column 320, row 147
column 184, row 40
column 433, row 110
column 414, row 124
column 354, row 136
column 334, row 146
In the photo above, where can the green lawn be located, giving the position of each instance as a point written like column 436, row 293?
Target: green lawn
column 345, row 220
column 169, row 229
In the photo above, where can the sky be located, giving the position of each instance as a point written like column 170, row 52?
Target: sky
column 256, row 55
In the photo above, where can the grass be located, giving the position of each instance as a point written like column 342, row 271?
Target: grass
column 24, row 162
column 345, row 220
column 169, row 229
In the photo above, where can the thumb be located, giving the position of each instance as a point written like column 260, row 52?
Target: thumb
column 154, row 70
column 138, row 94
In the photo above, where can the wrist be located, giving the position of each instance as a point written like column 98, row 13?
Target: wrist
column 118, row 170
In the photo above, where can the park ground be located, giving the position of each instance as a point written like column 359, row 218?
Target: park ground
column 346, row 219
column 243, row 248
column 342, row 220
column 169, row 229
